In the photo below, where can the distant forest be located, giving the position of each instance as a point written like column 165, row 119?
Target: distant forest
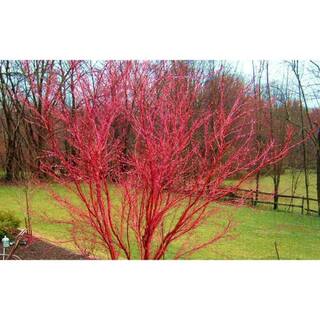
column 288, row 101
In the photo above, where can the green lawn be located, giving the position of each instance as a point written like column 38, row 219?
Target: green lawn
column 253, row 237
column 266, row 185
column 285, row 184
column 298, row 237
column 12, row 199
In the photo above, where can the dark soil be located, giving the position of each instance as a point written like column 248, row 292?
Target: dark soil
column 38, row 249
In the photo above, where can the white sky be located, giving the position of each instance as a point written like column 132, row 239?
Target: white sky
column 278, row 72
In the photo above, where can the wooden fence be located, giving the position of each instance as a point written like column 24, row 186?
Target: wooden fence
column 253, row 198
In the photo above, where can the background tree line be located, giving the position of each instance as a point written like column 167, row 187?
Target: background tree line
column 289, row 100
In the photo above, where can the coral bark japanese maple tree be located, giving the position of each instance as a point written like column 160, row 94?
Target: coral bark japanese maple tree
column 137, row 199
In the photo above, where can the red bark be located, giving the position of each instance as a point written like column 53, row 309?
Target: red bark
column 181, row 155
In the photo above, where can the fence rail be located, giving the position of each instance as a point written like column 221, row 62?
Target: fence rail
column 253, row 197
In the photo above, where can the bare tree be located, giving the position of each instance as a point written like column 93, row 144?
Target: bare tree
column 304, row 131
column 11, row 119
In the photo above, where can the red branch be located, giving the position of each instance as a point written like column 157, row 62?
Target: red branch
column 146, row 156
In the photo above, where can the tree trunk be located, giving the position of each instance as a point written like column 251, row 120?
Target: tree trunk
column 257, row 188
column 276, row 182
column 9, row 168
column 318, row 179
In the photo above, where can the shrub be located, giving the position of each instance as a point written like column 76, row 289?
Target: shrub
column 8, row 223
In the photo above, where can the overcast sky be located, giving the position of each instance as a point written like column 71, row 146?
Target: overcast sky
column 278, row 72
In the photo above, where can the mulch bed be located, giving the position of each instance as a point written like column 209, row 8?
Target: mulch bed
column 42, row 250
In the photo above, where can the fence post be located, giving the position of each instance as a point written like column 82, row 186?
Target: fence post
column 302, row 206
column 275, row 201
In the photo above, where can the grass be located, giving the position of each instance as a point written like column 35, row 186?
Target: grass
column 256, row 230
column 12, row 199
column 285, row 184
column 266, row 185
column 298, row 237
